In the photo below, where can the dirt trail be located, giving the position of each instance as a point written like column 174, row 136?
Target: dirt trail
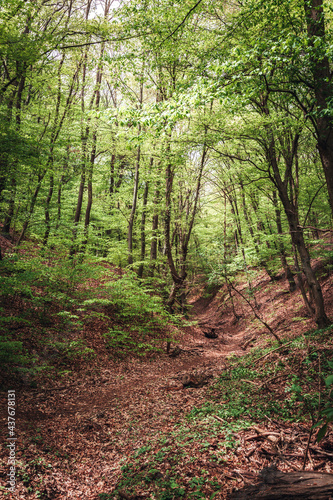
column 86, row 429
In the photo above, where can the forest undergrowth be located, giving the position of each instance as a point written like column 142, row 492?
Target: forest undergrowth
column 104, row 412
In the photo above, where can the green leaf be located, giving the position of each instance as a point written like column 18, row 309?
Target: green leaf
column 329, row 380
column 321, row 433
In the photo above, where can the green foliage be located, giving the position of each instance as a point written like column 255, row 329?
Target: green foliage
column 166, row 485
column 247, row 397
column 75, row 349
column 11, row 353
column 122, row 343
column 55, row 297
column 133, row 299
column 37, row 289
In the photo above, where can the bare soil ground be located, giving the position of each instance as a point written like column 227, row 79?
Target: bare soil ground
column 74, row 437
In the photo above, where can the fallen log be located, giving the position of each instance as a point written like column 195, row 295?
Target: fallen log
column 277, row 485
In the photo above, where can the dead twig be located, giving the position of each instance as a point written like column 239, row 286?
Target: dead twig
column 256, row 314
column 219, row 419
column 321, row 452
column 274, row 350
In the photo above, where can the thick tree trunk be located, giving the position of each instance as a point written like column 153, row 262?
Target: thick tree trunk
column 288, row 193
column 314, row 286
column 300, row 283
column 323, row 88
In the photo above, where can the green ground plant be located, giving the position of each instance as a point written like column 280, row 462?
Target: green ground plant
column 54, row 297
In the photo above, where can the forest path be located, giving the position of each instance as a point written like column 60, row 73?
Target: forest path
column 87, row 429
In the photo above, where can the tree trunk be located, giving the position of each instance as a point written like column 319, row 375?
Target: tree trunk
column 177, row 280
column 47, row 211
column 77, row 215
column 287, row 270
column 155, row 222
column 143, row 228
column 32, row 207
column 133, row 210
column 323, row 88
column 135, row 191
column 11, row 208
column 112, row 163
column 59, row 193
column 297, row 237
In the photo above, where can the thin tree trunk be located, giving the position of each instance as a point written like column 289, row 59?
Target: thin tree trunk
column 135, row 187
column 57, row 126
column 47, row 211
column 133, row 210
column 287, row 270
column 143, row 228
column 11, row 207
column 155, row 223
column 18, row 108
column 113, row 160
column 31, row 208
column 59, row 193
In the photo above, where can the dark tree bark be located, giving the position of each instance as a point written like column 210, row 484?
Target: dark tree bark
column 180, row 277
column 59, row 193
column 18, row 109
column 276, row 485
column 295, row 229
column 286, row 267
column 154, row 238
